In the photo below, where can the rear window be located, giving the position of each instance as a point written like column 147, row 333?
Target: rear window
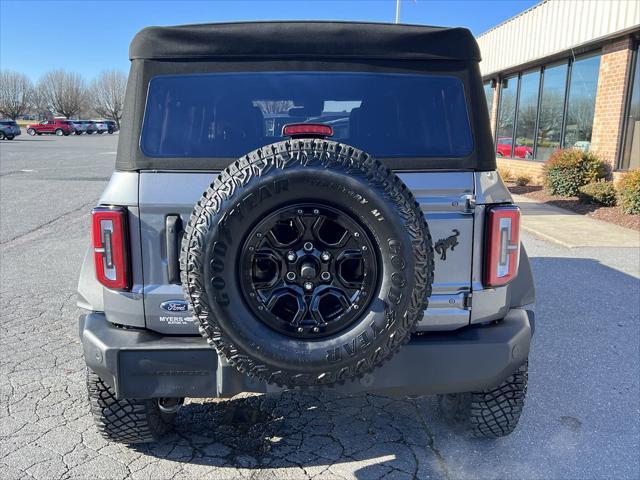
column 8, row 123
column 227, row 115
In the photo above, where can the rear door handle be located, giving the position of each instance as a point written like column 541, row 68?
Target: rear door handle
column 173, row 226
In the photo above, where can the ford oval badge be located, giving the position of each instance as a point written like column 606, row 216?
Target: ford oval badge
column 174, row 306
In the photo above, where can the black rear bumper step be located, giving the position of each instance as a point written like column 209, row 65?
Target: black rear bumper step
column 139, row 363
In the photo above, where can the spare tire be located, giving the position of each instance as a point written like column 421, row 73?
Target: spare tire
column 307, row 262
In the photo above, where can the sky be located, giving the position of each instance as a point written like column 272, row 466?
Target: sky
column 88, row 36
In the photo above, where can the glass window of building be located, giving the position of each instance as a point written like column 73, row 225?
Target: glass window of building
column 488, row 92
column 527, row 112
column 631, row 148
column 551, row 110
column 506, row 116
column 582, row 102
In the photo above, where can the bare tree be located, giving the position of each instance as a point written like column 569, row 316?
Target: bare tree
column 39, row 105
column 506, row 114
column 550, row 122
column 15, row 94
column 64, row 92
column 107, row 94
column 274, row 106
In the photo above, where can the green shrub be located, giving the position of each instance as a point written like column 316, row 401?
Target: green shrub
column 567, row 170
column 599, row 193
column 629, row 192
column 524, row 142
column 523, row 179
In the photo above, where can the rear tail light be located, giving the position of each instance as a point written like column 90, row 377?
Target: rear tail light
column 109, row 232
column 307, row 129
column 503, row 245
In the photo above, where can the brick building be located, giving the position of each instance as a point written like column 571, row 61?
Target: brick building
column 565, row 73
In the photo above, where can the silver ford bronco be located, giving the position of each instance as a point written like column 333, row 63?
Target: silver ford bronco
column 305, row 205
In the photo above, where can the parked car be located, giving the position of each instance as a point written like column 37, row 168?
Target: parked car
column 56, row 126
column 112, row 126
column 90, row 127
column 310, row 259
column 503, row 149
column 9, row 129
column 100, row 126
column 84, row 126
column 79, row 127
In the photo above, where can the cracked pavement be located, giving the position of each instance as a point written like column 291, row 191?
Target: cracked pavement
column 582, row 418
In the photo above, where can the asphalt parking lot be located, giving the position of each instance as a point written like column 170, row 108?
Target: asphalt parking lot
column 582, row 418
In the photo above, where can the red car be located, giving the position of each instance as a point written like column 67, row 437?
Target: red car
column 503, row 149
column 57, row 126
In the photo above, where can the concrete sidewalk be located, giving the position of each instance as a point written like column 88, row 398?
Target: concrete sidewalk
column 571, row 229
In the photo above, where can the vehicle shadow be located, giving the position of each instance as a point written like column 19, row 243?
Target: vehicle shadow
column 583, row 377
column 365, row 435
column 581, row 335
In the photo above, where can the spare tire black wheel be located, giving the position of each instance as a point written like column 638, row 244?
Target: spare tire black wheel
column 307, row 262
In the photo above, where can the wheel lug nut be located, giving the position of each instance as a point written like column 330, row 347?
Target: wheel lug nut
column 300, row 329
column 308, row 286
column 300, row 212
column 325, row 256
column 364, row 247
column 316, row 329
column 291, row 256
column 356, row 234
column 308, row 246
column 356, row 307
column 316, row 211
column 291, row 276
column 325, row 276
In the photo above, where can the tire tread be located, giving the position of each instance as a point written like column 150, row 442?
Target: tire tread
column 124, row 420
column 330, row 155
column 490, row 413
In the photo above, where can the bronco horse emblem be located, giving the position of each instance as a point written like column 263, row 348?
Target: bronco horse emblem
column 443, row 244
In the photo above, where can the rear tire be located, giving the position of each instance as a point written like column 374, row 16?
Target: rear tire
column 490, row 413
column 31, row 131
column 276, row 340
column 10, row 137
column 2, row 136
column 125, row 420
column 59, row 132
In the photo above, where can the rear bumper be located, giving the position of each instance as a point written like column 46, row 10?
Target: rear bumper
column 142, row 364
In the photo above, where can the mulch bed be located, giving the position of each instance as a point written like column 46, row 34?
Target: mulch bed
column 607, row 214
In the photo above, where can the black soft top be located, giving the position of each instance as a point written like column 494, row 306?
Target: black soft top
column 303, row 46
column 304, row 40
